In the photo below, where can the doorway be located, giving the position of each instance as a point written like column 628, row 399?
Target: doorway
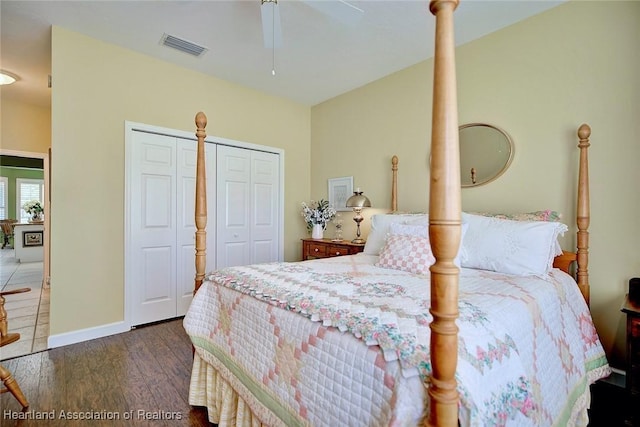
column 27, row 313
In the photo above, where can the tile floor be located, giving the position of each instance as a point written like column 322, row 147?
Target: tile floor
column 27, row 313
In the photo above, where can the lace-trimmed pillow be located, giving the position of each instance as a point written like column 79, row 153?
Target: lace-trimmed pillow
column 406, row 253
column 513, row 247
column 546, row 215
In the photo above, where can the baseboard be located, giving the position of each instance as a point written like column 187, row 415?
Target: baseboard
column 81, row 335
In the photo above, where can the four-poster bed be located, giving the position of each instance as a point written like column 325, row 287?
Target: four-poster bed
column 291, row 344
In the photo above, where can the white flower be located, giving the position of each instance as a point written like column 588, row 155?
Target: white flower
column 33, row 207
column 317, row 213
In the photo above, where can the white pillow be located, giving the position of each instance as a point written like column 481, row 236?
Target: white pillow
column 380, row 228
column 422, row 230
column 513, row 247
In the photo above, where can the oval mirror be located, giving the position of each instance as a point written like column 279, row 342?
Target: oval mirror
column 485, row 153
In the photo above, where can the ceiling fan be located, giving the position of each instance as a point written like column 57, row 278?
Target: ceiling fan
column 339, row 10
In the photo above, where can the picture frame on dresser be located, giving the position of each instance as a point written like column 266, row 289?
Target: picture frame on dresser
column 340, row 189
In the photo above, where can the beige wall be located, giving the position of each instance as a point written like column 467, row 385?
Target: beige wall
column 539, row 80
column 25, row 127
column 97, row 86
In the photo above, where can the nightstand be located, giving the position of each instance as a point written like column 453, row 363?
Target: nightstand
column 316, row 248
column 632, row 310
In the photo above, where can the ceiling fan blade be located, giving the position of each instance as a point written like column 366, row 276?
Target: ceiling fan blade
column 340, row 10
column 271, row 28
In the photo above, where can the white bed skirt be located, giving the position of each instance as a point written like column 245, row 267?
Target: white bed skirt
column 225, row 407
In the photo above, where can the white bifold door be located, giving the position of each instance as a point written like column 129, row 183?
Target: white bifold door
column 162, row 233
column 243, row 226
column 247, row 206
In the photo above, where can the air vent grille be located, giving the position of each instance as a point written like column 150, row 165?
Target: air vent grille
column 182, row 45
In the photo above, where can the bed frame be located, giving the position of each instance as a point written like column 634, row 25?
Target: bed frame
column 444, row 219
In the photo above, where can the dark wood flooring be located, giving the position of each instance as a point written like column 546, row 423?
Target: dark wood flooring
column 142, row 375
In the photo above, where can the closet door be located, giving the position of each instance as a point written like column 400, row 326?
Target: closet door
column 153, row 227
column 265, row 198
column 248, row 203
column 162, row 202
column 186, row 228
column 233, row 202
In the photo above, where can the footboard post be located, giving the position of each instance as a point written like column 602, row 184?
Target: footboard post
column 444, row 222
column 583, row 212
column 394, row 184
column 201, row 202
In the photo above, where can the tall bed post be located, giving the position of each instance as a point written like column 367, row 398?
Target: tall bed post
column 444, row 222
column 201, row 202
column 583, row 212
column 394, row 184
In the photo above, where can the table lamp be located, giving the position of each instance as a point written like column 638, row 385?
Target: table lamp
column 358, row 202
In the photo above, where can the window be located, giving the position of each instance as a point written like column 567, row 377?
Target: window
column 28, row 189
column 4, row 188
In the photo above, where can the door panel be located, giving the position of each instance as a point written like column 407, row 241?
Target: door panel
column 265, row 230
column 233, row 201
column 153, row 228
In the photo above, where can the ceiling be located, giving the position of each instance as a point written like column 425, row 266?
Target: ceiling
column 320, row 57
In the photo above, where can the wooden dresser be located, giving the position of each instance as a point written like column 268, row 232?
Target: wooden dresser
column 315, row 248
column 632, row 310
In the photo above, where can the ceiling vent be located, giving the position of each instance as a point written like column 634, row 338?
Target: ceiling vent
column 182, row 45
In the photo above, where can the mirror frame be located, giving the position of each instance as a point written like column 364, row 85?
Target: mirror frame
column 507, row 162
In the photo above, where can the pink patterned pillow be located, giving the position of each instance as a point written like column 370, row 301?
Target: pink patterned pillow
column 407, row 253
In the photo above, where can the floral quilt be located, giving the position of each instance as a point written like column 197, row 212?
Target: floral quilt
column 528, row 349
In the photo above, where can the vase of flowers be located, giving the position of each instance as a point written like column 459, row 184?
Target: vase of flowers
column 34, row 209
column 317, row 215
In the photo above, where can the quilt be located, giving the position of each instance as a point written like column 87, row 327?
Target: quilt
column 340, row 341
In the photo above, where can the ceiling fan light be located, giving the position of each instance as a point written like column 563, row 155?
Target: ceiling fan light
column 7, row 78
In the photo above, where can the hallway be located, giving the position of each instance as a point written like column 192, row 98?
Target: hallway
column 27, row 313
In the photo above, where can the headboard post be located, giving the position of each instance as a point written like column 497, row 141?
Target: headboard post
column 201, row 202
column 583, row 212
column 444, row 222
column 394, row 184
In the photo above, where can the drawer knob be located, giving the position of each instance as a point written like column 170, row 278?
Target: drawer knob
column 337, row 253
column 315, row 250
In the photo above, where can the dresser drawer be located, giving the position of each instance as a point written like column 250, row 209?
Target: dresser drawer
column 316, row 250
column 313, row 248
column 337, row 251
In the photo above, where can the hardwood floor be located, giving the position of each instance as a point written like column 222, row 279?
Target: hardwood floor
column 142, row 375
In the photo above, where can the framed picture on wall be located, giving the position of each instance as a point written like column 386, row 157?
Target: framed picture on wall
column 32, row 238
column 340, row 189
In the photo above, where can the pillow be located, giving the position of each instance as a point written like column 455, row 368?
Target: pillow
column 546, row 215
column 422, row 230
column 407, row 253
column 380, row 228
column 513, row 247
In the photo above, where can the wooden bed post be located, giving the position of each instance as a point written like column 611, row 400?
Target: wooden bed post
column 201, row 202
column 394, row 184
column 583, row 212
column 444, row 222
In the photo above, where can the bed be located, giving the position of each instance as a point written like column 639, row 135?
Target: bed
column 438, row 322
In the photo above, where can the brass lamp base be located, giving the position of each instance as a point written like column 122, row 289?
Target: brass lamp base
column 358, row 241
